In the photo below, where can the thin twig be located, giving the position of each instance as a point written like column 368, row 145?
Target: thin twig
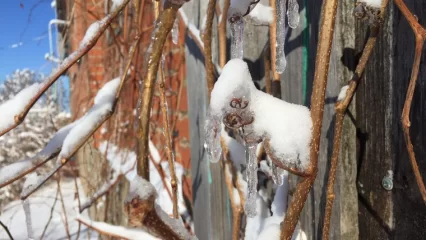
column 420, row 34
column 67, row 229
column 341, row 107
column 207, row 40
column 164, row 25
column 170, row 155
column 300, row 195
column 52, row 209
column 7, row 230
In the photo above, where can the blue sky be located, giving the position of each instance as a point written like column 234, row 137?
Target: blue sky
column 16, row 28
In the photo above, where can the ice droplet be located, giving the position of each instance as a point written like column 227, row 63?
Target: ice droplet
column 237, row 33
column 277, row 175
column 213, row 130
column 280, row 62
column 251, row 159
column 175, row 31
column 27, row 211
column 293, row 13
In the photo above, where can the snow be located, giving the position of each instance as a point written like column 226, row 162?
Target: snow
column 140, row 189
column 16, row 105
column 13, row 216
column 124, row 161
column 342, row 93
column 117, row 231
column 262, row 14
column 287, row 125
column 372, row 3
column 236, row 151
column 230, row 83
column 103, row 105
column 191, row 27
column 116, row 4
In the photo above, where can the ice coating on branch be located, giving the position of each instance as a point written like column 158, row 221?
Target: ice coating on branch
column 213, row 129
column 103, row 105
column 293, row 13
column 237, row 35
column 262, row 14
column 14, row 106
column 251, row 159
column 372, row 3
column 175, row 31
column 280, row 62
column 28, row 221
column 277, row 174
column 342, row 93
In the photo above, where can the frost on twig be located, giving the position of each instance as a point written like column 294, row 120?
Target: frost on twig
column 82, row 129
column 143, row 212
column 26, row 99
column 15, row 171
column 116, row 231
column 257, row 116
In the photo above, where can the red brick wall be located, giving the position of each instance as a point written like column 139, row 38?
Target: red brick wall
column 106, row 61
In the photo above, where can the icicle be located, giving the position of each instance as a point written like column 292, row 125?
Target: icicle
column 27, row 210
column 237, row 33
column 251, row 159
column 293, row 13
column 175, row 31
column 280, row 62
column 277, row 175
column 213, row 129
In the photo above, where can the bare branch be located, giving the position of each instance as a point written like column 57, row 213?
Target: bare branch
column 420, row 34
column 164, row 25
column 328, row 18
column 341, row 107
column 170, row 155
column 207, row 39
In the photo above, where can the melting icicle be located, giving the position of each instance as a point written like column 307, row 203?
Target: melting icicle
column 277, row 175
column 237, row 33
column 175, row 31
column 213, row 129
column 27, row 210
column 280, row 62
column 251, row 159
column 293, row 13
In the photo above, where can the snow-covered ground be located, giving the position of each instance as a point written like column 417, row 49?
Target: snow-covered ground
column 41, row 202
